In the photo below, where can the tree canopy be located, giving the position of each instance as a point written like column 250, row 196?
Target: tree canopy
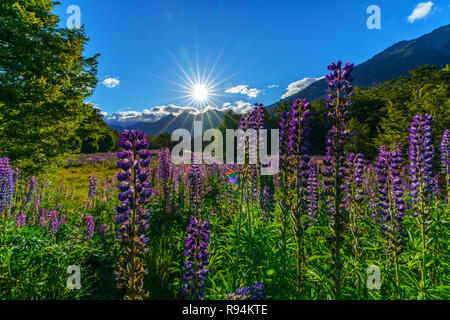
column 44, row 82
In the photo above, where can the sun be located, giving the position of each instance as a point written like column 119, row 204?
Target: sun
column 200, row 93
column 199, row 86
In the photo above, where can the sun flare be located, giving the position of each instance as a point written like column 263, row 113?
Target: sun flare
column 199, row 85
column 200, row 93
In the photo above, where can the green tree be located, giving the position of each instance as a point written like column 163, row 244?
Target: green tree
column 44, row 79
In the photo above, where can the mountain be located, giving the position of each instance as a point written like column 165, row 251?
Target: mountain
column 210, row 118
column 432, row 49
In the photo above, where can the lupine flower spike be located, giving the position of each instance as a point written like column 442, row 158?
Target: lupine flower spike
column 132, row 216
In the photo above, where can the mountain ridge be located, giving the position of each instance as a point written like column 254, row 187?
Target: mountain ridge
column 431, row 48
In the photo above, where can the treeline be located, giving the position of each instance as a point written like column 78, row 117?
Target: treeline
column 44, row 82
column 382, row 113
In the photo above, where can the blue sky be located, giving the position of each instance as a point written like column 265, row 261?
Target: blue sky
column 261, row 47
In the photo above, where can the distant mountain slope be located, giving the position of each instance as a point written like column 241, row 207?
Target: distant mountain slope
column 210, row 118
column 432, row 49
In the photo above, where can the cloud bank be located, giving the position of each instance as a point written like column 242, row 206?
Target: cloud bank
column 124, row 118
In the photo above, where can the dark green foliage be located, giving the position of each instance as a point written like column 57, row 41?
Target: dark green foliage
column 383, row 112
column 162, row 140
column 94, row 135
column 426, row 91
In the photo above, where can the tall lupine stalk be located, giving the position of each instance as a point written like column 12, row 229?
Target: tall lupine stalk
column 284, row 184
column 354, row 196
column 299, row 135
column 164, row 176
column 6, row 188
column 195, row 187
column 250, row 173
column 391, row 206
column 256, row 123
column 445, row 160
column 420, row 158
column 132, row 216
column 338, row 111
column 197, row 259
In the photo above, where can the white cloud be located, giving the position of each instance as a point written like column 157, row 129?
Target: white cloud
column 147, row 115
column 422, row 10
column 273, row 86
column 111, row 82
column 238, row 107
column 298, row 86
column 243, row 89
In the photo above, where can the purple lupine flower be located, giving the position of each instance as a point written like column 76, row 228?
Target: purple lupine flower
column 90, row 226
column 352, row 188
column 53, row 222
column 255, row 292
column 164, row 165
column 268, row 204
column 372, row 198
column 6, row 187
column 420, row 158
column 197, row 259
column 103, row 230
column 132, row 218
column 93, row 185
column 313, row 198
column 445, row 160
column 196, row 187
column 62, row 219
column 42, row 222
column 16, row 175
column 436, row 188
column 257, row 117
column 338, row 111
column 391, row 206
column 175, row 178
column 21, row 220
column 299, row 128
column 36, row 201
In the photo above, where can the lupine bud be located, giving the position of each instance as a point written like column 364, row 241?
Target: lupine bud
column 90, row 226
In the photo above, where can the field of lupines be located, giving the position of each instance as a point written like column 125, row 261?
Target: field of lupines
column 312, row 231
